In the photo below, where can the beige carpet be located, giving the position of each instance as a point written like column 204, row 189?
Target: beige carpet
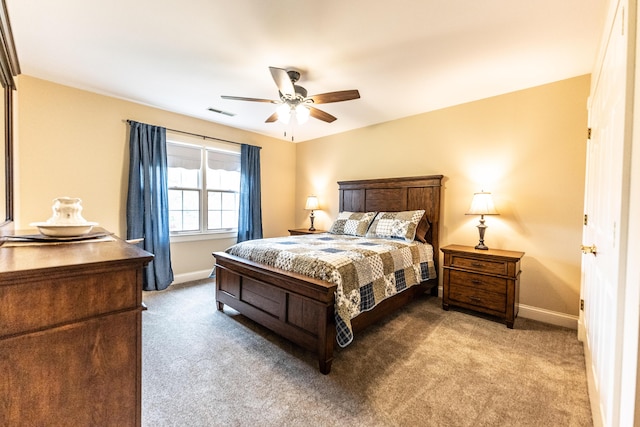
column 421, row 367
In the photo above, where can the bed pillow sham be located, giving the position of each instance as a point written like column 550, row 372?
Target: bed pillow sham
column 352, row 223
column 395, row 225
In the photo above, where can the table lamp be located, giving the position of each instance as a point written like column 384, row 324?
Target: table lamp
column 312, row 203
column 482, row 204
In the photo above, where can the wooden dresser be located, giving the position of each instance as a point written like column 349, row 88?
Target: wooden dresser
column 70, row 334
column 483, row 280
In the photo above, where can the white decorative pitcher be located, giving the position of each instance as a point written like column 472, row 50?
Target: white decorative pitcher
column 66, row 211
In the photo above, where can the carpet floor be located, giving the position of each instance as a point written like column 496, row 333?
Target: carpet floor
column 422, row 366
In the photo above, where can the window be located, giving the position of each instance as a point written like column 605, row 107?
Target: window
column 204, row 187
column 223, row 189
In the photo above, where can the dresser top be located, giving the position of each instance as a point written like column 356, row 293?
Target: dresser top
column 27, row 259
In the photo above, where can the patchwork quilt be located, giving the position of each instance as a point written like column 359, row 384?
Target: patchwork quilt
column 365, row 270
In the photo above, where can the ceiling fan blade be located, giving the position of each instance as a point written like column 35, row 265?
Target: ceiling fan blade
column 242, row 98
column 272, row 118
column 343, row 95
column 283, row 81
column 321, row 115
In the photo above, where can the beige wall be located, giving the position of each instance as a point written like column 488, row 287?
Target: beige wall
column 75, row 143
column 527, row 148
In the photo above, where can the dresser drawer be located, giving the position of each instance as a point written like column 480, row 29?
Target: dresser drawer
column 28, row 306
column 478, row 297
column 477, row 281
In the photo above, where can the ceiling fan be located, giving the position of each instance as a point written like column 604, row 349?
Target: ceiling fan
column 294, row 99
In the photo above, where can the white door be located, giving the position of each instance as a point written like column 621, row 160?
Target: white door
column 602, row 290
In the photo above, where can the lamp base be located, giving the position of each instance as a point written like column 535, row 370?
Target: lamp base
column 312, row 217
column 481, row 230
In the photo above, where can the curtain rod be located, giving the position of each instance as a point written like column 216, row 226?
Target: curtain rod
column 198, row 135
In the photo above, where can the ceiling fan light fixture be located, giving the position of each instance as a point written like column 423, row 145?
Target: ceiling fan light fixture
column 284, row 113
column 302, row 114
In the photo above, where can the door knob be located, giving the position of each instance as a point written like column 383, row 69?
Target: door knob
column 588, row 249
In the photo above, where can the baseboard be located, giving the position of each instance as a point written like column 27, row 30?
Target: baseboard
column 189, row 277
column 548, row 316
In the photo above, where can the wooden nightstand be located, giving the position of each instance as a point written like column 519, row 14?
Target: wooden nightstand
column 482, row 280
column 300, row 231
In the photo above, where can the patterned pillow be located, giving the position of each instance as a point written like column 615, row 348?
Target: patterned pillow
column 352, row 223
column 397, row 225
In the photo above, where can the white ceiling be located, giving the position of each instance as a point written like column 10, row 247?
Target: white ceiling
column 405, row 57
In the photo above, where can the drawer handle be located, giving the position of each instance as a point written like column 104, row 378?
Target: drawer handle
column 477, row 264
column 476, row 282
column 475, row 299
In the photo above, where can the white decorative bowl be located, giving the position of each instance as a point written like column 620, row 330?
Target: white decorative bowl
column 64, row 230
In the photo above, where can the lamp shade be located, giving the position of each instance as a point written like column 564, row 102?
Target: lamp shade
column 312, row 203
column 482, row 204
column 302, row 114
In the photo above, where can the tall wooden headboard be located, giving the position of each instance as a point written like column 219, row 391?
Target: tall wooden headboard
column 393, row 195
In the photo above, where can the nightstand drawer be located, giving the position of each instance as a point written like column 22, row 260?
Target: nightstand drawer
column 478, row 281
column 478, row 297
column 484, row 266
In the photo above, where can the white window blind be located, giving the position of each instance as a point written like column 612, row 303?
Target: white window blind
column 217, row 160
column 181, row 156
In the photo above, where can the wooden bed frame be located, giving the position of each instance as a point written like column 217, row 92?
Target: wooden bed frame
column 300, row 308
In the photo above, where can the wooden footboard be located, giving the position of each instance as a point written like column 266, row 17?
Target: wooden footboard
column 294, row 306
